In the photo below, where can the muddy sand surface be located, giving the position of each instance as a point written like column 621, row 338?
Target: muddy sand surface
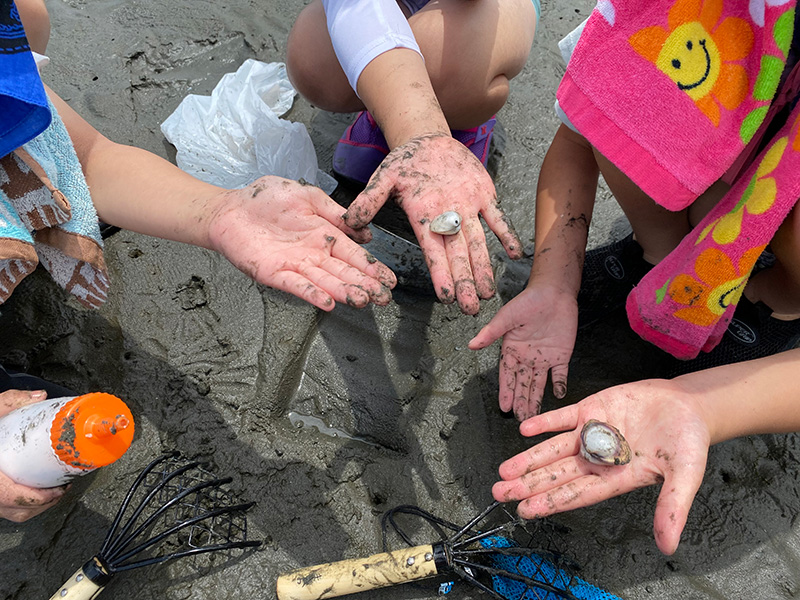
column 327, row 420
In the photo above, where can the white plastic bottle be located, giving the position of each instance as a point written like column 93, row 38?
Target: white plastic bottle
column 49, row 443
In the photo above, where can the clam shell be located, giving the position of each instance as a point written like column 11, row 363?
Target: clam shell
column 447, row 223
column 603, row 444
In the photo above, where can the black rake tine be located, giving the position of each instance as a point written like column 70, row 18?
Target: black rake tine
column 416, row 511
column 561, row 573
column 129, row 496
column 484, row 535
column 528, row 581
column 462, row 573
column 192, row 521
column 117, row 548
column 409, row 509
column 388, row 517
column 511, row 516
column 192, row 551
column 472, row 523
column 156, row 488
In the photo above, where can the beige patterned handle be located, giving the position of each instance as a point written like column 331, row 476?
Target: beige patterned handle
column 357, row 575
column 78, row 587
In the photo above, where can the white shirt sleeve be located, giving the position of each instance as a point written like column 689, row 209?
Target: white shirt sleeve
column 363, row 29
column 41, row 60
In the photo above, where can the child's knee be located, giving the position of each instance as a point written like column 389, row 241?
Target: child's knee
column 497, row 92
column 299, row 64
column 519, row 35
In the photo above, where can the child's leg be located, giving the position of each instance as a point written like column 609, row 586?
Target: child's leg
column 472, row 49
column 312, row 64
column 779, row 286
column 657, row 230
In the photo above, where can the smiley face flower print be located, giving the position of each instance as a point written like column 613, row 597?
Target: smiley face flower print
column 699, row 50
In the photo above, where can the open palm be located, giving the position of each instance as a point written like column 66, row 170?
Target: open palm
column 667, row 435
column 291, row 237
column 538, row 328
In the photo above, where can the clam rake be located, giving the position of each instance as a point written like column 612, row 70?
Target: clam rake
column 175, row 508
column 499, row 561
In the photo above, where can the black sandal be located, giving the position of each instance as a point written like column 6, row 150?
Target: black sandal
column 12, row 380
column 752, row 333
column 609, row 275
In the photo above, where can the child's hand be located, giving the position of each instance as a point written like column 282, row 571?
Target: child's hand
column 669, row 440
column 291, row 237
column 538, row 329
column 430, row 175
column 19, row 502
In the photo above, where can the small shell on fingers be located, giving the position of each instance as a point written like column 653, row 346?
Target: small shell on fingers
column 603, row 444
column 447, row 223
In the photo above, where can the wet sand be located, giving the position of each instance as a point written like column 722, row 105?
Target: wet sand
column 214, row 364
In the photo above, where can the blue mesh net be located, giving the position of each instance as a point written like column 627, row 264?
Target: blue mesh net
column 538, row 568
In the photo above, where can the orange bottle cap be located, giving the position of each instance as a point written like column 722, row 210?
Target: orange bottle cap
column 92, row 431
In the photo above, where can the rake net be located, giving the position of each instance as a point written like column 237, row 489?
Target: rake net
column 502, row 555
column 175, row 508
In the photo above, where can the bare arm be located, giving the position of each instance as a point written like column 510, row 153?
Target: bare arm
column 669, row 425
column 758, row 396
column 398, row 91
column 539, row 326
column 281, row 233
column 565, row 198
column 137, row 190
column 430, row 173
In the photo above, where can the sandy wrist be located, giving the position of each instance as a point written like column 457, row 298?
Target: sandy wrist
column 555, row 280
column 208, row 229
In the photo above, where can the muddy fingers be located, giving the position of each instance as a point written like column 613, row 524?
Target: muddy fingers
column 378, row 292
column 481, row 264
column 363, row 261
column 503, row 228
column 540, row 455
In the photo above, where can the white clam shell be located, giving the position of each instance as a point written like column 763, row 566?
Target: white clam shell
column 603, row 444
column 447, row 223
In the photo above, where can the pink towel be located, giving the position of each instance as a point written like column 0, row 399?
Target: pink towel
column 672, row 92
column 684, row 304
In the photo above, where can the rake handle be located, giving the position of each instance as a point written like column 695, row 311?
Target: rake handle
column 335, row 579
column 78, row 587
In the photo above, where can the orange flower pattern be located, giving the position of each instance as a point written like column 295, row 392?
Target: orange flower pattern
column 720, row 284
column 698, row 51
column 717, row 283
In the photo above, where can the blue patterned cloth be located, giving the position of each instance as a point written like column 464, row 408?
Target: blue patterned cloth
column 47, row 217
column 24, row 113
column 46, row 212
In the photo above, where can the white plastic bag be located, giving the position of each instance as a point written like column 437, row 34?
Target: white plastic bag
column 235, row 136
